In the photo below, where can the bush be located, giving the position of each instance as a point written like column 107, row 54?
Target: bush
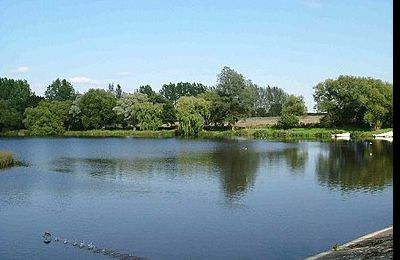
column 288, row 121
column 6, row 159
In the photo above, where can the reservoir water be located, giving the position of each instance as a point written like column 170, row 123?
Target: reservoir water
column 191, row 198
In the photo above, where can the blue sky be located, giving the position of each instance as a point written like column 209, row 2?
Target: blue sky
column 290, row 44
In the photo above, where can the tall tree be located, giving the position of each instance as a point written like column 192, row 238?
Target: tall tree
column 173, row 91
column 60, row 90
column 270, row 101
column 236, row 95
column 118, row 91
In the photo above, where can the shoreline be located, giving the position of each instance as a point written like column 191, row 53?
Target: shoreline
column 378, row 244
column 252, row 133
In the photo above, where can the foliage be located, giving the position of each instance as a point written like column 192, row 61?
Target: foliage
column 96, row 109
column 60, row 90
column 215, row 103
column 288, row 121
column 169, row 114
column 7, row 159
column 169, row 111
column 351, row 100
column 335, row 247
column 48, row 118
column 173, row 92
column 15, row 96
column 192, row 112
column 269, row 101
column 294, row 105
column 148, row 115
column 116, row 91
column 152, row 95
column 9, row 117
column 125, row 133
column 236, row 96
column 124, row 107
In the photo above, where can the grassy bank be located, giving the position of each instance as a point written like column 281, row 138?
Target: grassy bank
column 257, row 133
column 120, row 133
column 295, row 133
column 6, row 159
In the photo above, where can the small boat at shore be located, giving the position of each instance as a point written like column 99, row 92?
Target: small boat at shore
column 384, row 135
column 342, row 135
column 389, row 139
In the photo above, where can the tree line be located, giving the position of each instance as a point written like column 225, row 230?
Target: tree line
column 346, row 101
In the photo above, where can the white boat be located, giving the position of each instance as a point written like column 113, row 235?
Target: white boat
column 386, row 135
column 342, row 135
column 347, row 138
column 389, row 139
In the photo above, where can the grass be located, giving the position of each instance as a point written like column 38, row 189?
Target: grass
column 257, row 133
column 6, row 159
column 120, row 133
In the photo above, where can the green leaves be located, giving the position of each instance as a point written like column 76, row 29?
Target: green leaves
column 148, row 115
column 294, row 105
column 60, row 90
column 96, row 107
column 192, row 112
column 237, row 97
column 48, row 118
column 353, row 100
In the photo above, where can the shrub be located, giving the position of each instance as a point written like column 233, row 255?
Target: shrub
column 6, row 159
column 288, row 121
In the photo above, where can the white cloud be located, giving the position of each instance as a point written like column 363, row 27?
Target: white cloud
column 312, row 3
column 125, row 73
column 21, row 69
column 83, row 80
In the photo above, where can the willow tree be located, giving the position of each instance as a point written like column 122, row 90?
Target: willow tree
column 148, row 115
column 192, row 113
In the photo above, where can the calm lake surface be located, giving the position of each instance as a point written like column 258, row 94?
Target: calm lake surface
column 191, row 199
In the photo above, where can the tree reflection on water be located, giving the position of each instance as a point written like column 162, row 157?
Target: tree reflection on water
column 356, row 166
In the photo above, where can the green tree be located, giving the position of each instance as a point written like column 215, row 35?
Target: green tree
column 76, row 114
column 118, row 91
column 15, row 97
column 48, row 118
column 60, row 90
column 351, row 100
column 148, row 115
column 288, row 121
column 237, row 96
column 215, row 103
column 169, row 113
column 173, row 92
column 96, row 108
column 9, row 117
column 192, row 113
column 294, row 105
column 124, row 107
column 269, row 101
column 152, row 95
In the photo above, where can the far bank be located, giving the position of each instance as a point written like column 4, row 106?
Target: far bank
column 256, row 133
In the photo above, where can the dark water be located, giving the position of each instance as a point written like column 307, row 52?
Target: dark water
column 192, row 199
